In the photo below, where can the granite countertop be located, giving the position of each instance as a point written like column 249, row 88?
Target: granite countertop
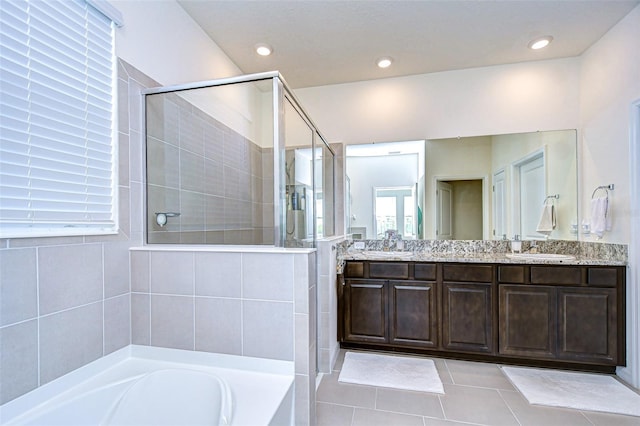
column 474, row 258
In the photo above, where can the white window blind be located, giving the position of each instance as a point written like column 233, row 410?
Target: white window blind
column 56, row 119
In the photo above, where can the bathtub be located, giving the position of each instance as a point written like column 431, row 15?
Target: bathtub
column 141, row 385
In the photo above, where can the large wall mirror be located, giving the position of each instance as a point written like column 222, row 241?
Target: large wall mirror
column 471, row 188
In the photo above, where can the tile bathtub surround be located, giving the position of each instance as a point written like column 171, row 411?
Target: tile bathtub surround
column 239, row 301
column 66, row 301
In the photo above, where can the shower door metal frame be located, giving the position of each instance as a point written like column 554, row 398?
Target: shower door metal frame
column 280, row 90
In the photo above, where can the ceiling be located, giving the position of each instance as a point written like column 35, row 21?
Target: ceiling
column 317, row 43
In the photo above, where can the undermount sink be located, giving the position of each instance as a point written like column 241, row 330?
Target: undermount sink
column 541, row 256
column 388, row 254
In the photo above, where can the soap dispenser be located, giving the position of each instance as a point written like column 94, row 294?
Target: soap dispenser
column 516, row 244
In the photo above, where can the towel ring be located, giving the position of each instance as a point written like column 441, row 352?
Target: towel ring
column 552, row 197
column 606, row 189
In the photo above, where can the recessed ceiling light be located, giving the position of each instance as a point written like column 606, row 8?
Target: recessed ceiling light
column 384, row 62
column 540, row 42
column 263, row 49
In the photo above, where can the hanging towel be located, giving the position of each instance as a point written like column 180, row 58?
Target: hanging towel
column 547, row 220
column 599, row 216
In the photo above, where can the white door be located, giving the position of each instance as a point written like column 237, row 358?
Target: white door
column 499, row 206
column 444, row 221
column 532, row 195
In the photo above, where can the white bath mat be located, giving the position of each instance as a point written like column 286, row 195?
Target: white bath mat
column 581, row 391
column 408, row 373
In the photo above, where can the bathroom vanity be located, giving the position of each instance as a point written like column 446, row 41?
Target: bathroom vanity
column 568, row 314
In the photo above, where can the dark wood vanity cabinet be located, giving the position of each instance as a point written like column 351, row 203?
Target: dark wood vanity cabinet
column 413, row 314
column 366, row 311
column 467, row 308
column 554, row 314
column 379, row 308
column 562, row 312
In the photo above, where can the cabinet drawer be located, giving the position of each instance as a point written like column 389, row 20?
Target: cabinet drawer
column 425, row 271
column 556, row 275
column 468, row 273
column 388, row 270
column 354, row 270
column 511, row 274
column 604, row 277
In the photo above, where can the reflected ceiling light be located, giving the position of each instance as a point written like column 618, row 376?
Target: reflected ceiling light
column 263, row 49
column 540, row 42
column 384, row 62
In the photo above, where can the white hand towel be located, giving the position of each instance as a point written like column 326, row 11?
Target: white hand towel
column 599, row 216
column 547, row 220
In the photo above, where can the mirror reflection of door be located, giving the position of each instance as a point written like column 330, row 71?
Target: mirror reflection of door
column 499, row 206
column 530, row 191
column 459, row 209
column 444, row 211
column 394, row 209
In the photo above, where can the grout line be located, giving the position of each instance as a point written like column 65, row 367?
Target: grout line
column 38, row 311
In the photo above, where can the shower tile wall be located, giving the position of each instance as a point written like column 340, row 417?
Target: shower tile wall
column 238, row 303
column 65, row 301
column 210, row 174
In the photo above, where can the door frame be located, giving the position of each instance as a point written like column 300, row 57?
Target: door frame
column 505, row 210
column 486, row 199
column 516, row 220
column 631, row 373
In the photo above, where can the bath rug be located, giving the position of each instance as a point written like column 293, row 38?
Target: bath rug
column 580, row 391
column 388, row 371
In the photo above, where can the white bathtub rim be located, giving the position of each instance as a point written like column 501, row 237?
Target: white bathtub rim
column 49, row 393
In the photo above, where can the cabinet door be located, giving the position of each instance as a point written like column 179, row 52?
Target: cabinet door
column 587, row 325
column 527, row 317
column 365, row 311
column 467, row 317
column 413, row 313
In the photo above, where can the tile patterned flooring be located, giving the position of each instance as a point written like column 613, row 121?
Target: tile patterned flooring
column 475, row 394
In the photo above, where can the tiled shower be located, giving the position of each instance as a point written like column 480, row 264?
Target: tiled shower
column 236, row 161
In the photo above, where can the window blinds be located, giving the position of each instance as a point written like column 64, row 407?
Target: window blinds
column 56, row 123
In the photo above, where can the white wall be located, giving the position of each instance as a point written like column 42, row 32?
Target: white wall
column 481, row 101
column 609, row 82
column 162, row 41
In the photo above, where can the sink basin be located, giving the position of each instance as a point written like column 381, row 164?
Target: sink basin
column 541, row 256
column 388, row 254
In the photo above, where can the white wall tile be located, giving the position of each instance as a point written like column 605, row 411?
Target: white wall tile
column 218, row 274
column 172, row 273
column 19, row 359
column 218, row 324
column 140, row 319
column 172, row 322
column 117, row 323
column 18, row 285
column 267, row 329
column 267, row 276
column 69, row 340
column 69, row 276
column 116, row 269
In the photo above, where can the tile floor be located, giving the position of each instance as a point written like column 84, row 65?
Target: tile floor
column 475, row 394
